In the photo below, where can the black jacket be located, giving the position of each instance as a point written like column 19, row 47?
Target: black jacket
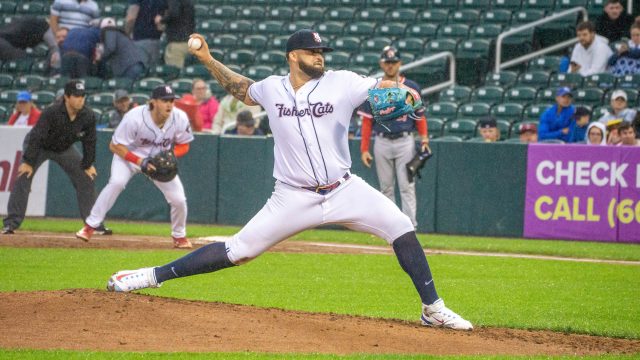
column 614, row 30
column 180, row 20
column 56, row 132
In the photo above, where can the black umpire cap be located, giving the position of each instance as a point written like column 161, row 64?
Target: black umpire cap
column 164, row 92
column 74, row 88
column 306, row 39
column 390, row 54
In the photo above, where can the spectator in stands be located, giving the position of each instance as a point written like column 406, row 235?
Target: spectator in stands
column 619, row 109
column 207, row 103
column 178, row 23
column 54, row 54
column 626, row 60
column 140, row 23
column 528, row 133
column 628, row 135
column 614, row 22
column 121, row 103
column 245, row 125
column 591, row 54
column 636, row 125
column 555, row 121
column 613, row 134
column 596, row 134
column 79, row 52
column 227, row 112
column 578, row 126
column 26, row 114
column 126, row 60
column 489, row 129
column 22, row 33
column 73, row 14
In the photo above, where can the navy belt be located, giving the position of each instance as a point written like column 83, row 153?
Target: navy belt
column 395, row 135
column 325, row 189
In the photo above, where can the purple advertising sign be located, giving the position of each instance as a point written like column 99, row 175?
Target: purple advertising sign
column 583, row 192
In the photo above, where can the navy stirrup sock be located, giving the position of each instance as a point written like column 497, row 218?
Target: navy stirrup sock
column 413, row 261
column 209, row 258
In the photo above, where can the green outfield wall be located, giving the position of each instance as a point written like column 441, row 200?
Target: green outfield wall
column 466, row 188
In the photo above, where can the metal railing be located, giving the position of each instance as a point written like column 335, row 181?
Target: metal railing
column 428, row 59
column 500, row 65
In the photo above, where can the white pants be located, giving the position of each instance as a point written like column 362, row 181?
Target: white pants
column 291, row 210
column 121, row 172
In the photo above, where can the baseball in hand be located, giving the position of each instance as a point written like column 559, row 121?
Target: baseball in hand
column 194, row 43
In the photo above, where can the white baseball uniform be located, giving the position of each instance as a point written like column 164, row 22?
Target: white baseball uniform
column 144, row 138
column 310, row 129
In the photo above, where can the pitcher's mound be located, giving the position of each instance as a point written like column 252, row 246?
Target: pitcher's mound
column 97, row 320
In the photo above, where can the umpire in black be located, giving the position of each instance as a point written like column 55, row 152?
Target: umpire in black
column 52, row 138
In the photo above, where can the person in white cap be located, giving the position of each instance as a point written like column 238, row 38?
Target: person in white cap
column 619, row 109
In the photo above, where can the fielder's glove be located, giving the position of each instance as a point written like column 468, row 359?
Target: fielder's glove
column 390, row 103
column 165, row 164
column 417, row 163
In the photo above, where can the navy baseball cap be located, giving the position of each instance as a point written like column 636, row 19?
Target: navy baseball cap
column 564, row 91
column 580, row 112
column 390, row 54
column 164, row 92
column 74, row 88
column 306, row 39
column 487, row 122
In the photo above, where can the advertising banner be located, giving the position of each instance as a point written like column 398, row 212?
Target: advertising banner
column 583, row 192
column 11, row 138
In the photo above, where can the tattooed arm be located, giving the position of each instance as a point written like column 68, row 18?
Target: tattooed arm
column 235, row 84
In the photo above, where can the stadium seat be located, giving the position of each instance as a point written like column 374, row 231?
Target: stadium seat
column 526, row 16
column 298, row 3
column 382, row 3
column 310, row 14
column 371, row 14
column 241, row 57
column 411, row 44
column 216, row 89
column 360, row 28
column 255, row 42
column 448, row 138
column 375, row 44
column 278, row 42
column 443, row 110
column 511, row 112
column 252, row 13
column 458, row 94
column 139, row 98
column 439, row 45
column 8, row 98
column 497, row 16
column 116, row 10
column 225, row 12
column 337, row 59
column 224, row 41
column 366, row 59
column 463, row 128
column 546, row 63
column 602, row 81
column 475, row 4
column 92, row 83
column 595, row 8
column 402, row 15
column 488, row 94
column 340, row 14
column 510, row 5
column 568, row 4
column 40, row 68
column 473, row 110
column 241, row 26
column 326, row 3
column 168, row 72
column 485, row 31
column 354, row 3
column 442, row 4
column 7, row 7
column 195, row 71
column 331, row 28
column 4, row 114
column 297, row 25
column 40, row 51
column 29, row 82
column 588, row 96
column 537, row 79
column 349, row 44
column 31, row 8
column 181, row 85
column 394, row 29
column 598, row 112
column 201, row 12
column 503, row 78
column 505, row 127
column 571, row 80
column 6, row 81
column 282, row 13
column 435, row 126
column 473, row 48
column 425, row 31
column 210, row 26
column 465, row 16
column 434, row 16
column 522, row 94
column 272, row 57
column 414, row 4
column 17, row 67
column 43, row 98
column 547, row 95
column 54, row 83
column 271, row 27
column 538, row 4
column 628, row 82
column 259, row 72
column 117, row 83
column 100, row 100
column 453, row 31
column 147, row 85
column 533, row 112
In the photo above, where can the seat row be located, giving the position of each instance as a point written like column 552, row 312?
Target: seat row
column 467, row 129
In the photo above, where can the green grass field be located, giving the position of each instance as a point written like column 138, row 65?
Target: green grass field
column 589, row 298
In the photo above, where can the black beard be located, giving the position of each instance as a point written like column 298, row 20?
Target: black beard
column 311, row 71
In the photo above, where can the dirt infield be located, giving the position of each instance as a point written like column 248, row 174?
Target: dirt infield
column 83, row 319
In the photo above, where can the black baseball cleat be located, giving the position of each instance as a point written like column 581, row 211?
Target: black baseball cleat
column 103, row 230
column 7, row 230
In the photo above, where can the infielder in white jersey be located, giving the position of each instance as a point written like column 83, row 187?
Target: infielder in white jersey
column 309, row 112
column 145, row 131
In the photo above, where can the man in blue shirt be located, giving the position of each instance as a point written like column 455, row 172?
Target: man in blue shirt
column 555, row 121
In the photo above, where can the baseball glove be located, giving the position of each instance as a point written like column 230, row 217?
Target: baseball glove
column 165, row 164
column 417, row 163
column 390, row 103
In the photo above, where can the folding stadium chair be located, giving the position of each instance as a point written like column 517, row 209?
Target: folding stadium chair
column 311, row 14
column 439, row 45
column 7, row 7
column 588, row 96
column 475, row 4
column 503, row 78
column 435, row 127
column 43, row 98
column 602, row 81
column 485, row 31
column 259, row 72
column 401, row 15
column 511, row 112
column 465, row 16
column 282, row 13
column 629, row 82
column 547, row 95
column 272, row 57
column 533, row 112
column 210, row 26
column 511, row 5
column 442, row 4
column 100, row 100
column 382, row 3
column 271, row 27
column 488, row 94
column 224, row 41
column 337, row 59
column 568, row 4
column 297, row 25
column 225, row 12
column 434, row 16
column 371, row 14
column 474, row 110
column 116, row 83
column 572, row 80
column 366, row 59
column 349, row 44
column 115, row 10
column 241, row 26
column 6, row 81
column 453, row 31
column 457, row 93
column 340, row 14
column 31, row 8
column 526, row 16
column 139, row 98
column 547, row 63
column 331, row 28
column 92, row 84
column 425, row 31
column 497, row 16
column 414, row 45
column 354, row 3
column 30, row 82
column 537, row 79
column 394, row 29
column 443, row 110
column 360, row 28
column 252, row 13
column 376, row 44
column 255, row 42
column 522, row 94
column 54, row 83
column 182, row 85
column 463, row 128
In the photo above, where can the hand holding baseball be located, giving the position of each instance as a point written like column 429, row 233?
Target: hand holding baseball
column 198, row 47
